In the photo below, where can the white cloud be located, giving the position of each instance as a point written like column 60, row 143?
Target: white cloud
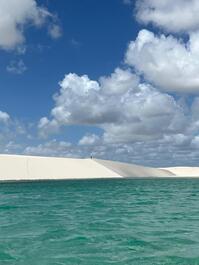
column 11, row 147
column 118, row 104
column 58, row 149
column 47, row 127
column 174, row 150
column 51, row 148
column 4, row 117
column 16, row 67
column 54, row 31
column 168, row 63
column 89, row 139
column 171, row 15
column 148, row 115
column 84, row 101
column 140, row 123
column 119, row 82
column 11, row 130
column 15, row 15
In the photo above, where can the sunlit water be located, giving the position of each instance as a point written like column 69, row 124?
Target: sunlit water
column 100, row 222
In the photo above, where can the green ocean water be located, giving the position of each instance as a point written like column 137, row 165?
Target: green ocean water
column 98, row 222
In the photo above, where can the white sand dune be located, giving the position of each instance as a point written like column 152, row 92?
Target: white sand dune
column 184, row 171
column 17, row 167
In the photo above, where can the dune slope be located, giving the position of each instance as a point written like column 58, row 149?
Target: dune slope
column 132, row 170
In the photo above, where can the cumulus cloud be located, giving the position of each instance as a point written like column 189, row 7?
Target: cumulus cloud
column 140, row 123
column 148, row 114
column 16, row 67
column 84, row 101
column 168, row 63
column 172, row 16
column 124, row 108
column 15, row 15
column 119, row 82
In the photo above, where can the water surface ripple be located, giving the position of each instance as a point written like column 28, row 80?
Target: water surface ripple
column 98, row 222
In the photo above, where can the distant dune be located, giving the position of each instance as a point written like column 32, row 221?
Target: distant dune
column 18, row 167
column 184, row 171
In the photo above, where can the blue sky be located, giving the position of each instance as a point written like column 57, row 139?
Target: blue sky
column 116, row 78
column 90, row 44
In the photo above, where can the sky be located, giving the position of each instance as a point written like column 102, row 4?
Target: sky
column 115, row 79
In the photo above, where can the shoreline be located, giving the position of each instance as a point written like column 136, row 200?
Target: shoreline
column 95, row 179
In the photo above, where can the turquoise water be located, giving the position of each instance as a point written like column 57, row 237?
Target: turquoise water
column 100, row 222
